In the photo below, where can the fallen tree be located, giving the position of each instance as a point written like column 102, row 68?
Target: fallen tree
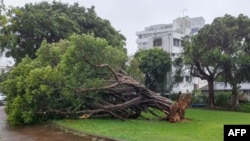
column 81, row 78
column 127, row 98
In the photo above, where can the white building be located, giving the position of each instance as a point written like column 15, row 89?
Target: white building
column 169, row 37
column 6, row 63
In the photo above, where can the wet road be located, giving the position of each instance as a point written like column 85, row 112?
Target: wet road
column 32, row 133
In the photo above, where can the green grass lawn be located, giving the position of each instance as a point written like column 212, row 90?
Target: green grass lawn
column 203, row 125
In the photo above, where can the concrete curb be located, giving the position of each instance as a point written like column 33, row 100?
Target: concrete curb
column 90, row 136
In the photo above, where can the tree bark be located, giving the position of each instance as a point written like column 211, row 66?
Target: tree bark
column 235, row 99
column 211, row 93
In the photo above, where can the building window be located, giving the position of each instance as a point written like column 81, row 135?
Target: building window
column 182, row 43
column 195, row 30
column 176, row 42
column 140, row 36
column 144, row 43
column 157, row 42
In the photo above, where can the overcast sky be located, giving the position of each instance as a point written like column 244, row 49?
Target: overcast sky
column 130, row 16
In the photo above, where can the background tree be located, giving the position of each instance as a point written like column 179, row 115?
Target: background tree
column 177, row 72
column 219, row 50
column 155, row 64
column 134, row 71
column 201, row 58
column 234, row 42
column 28, row 26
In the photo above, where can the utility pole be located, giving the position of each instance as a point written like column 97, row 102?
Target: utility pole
column 183, row 24
column 183, row 11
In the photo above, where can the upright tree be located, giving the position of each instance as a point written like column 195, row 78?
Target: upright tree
column 155, row 64
column 28, row 26
column 134, row 71
column 201, row 58
column 235, row 45
column 220, row 49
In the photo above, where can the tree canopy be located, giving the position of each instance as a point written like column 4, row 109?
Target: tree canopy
column 155, row 64
column 50, row 81
column 24, row 28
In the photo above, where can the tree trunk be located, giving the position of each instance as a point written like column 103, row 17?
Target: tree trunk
column 211, row 93
column 235, row 98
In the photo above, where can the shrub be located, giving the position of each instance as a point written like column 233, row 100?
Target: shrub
column 222, row 99
column 198, row 97
column 244, row 107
